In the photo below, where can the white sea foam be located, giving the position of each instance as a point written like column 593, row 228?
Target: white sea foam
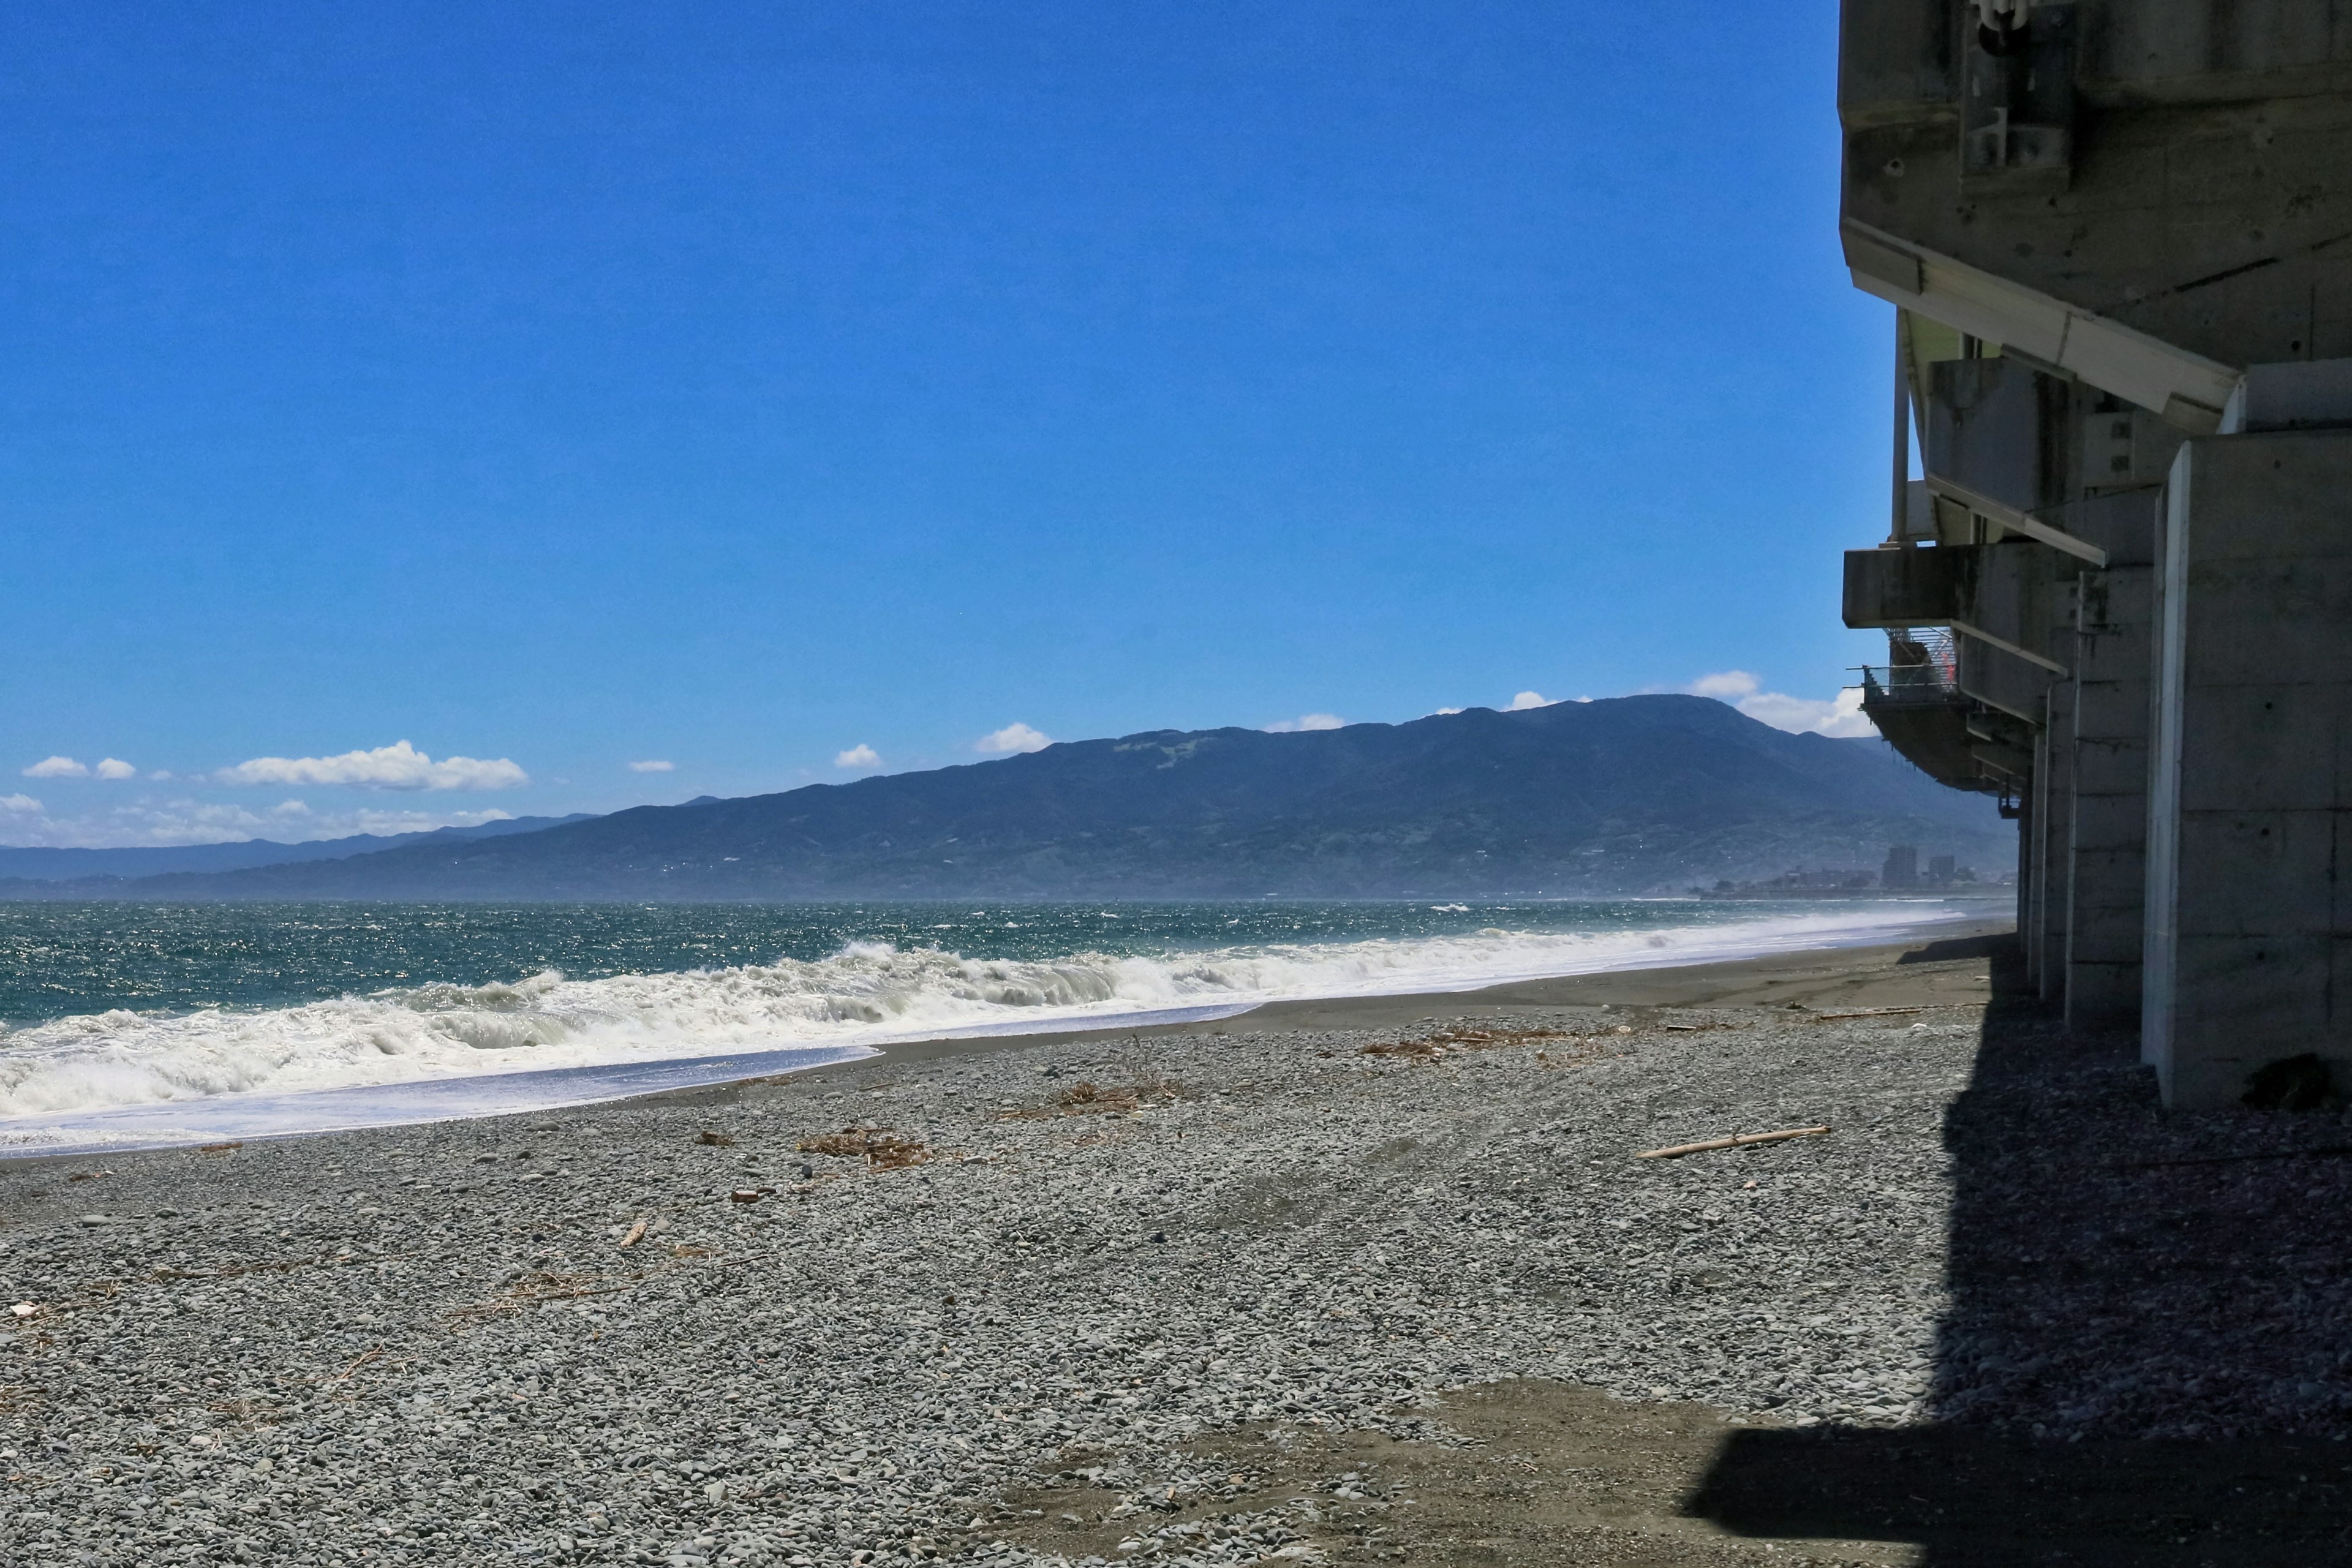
column 70, row 1079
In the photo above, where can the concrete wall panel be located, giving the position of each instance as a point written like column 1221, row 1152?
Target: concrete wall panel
column 2110, row 782
column 2283, row 743
column 2257, row 872
column 2247, row 921
column 2254, row 999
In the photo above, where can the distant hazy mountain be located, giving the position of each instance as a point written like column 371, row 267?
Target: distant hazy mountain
column 1633, row 795
column 71, row 865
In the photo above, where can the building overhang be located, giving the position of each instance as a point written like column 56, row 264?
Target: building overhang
column 2188, row 389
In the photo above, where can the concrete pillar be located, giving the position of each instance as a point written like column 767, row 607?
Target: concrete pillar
column 2054, row 832
column 2109, row 835
column 2025, row 874
column 2115, row 626
column 2249, row 950
column 2033, row 886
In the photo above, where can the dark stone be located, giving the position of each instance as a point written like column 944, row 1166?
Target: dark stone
column 2291, row 1083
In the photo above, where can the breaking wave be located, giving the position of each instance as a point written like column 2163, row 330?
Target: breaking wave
column 866, row 995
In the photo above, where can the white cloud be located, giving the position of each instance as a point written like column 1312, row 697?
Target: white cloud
column 16, row 803
column 1840, row 716
column 396, row 766
column 1014, row 737
column 116, row 768
column 860, row 755
column 1307, row 722
column 653, row 765
column 1726, row 684
column 57, row 768
column 1445, row 711
column 1527, row 699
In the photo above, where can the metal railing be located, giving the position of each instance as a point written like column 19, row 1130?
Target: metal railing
column 1921, row 667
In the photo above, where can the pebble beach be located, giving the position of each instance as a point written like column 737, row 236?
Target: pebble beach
column 1122, row 1298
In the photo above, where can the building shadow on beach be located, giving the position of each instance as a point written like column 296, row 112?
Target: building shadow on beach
column 2147, row 1357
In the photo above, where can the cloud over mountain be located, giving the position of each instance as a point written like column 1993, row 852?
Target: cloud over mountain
column 397, row 767
column 1015, row 738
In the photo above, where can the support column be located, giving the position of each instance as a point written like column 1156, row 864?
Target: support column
column 2115, row 623
column 2249, row 954
column 2054, row 835
column 2109, row 836
column 2031, row 880
column 2025, row 876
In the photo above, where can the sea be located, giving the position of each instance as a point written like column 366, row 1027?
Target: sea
column 149, row 1025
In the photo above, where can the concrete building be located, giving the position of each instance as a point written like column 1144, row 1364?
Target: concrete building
column 2118, row 238
column 1902, row 868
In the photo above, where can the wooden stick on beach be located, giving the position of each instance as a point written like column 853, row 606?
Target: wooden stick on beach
column 1734, row 1142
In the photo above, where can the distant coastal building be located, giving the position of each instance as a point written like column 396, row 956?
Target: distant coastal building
column 1943, row 870
column 1902, row 868
column 2112, row 232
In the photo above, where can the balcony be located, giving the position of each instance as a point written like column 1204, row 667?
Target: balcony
column 1916, row 702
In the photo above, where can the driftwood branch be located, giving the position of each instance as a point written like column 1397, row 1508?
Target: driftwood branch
column 1894, row 1012
column 1736, row 1141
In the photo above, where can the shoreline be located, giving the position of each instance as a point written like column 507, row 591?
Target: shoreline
column 1283, row 1291
column 717, row 1074
column 1777, row 978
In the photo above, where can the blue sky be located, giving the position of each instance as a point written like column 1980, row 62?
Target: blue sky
column 760, row 390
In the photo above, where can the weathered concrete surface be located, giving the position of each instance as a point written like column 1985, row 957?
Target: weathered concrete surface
column 2248, row 957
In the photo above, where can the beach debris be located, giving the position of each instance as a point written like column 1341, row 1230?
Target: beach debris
column 1085, row 1096
column 88, row 1175
column 715, row 1140
column 1737, row 1141
column 636, row 1234
column 1893, row 1012
column 1091, row 1098
column 882, row 1149
column 1461, row 1037
column 229, row 1148
column 746, row 1195
column 23, row 1309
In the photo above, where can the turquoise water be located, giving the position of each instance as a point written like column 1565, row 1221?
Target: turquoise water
column 123, row 1019
column 59, row 959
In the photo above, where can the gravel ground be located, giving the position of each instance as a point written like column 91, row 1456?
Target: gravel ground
column 665, row 1332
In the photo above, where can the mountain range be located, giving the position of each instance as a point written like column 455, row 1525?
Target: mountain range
column 41, row 865
column 1624, row 795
